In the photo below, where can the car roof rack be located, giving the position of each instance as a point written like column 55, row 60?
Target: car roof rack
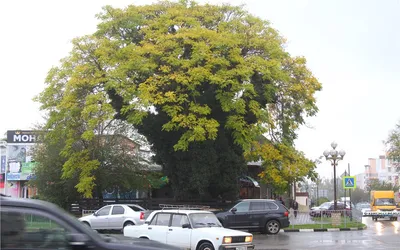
column 184, row 207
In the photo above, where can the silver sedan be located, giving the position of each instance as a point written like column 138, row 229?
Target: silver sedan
column 115, row 217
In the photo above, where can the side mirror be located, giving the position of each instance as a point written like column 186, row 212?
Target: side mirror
column 95, row 214
column 233, row 210
column 187, row 225
column 77, row 241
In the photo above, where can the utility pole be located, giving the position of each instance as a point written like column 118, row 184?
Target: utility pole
column 351, row 212
column 345, row 196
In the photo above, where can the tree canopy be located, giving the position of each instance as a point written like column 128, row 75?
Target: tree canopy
column 118, row 168
column 376, row 184
column 393, row 144
column 200, row 82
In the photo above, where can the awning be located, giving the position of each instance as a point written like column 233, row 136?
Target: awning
column 248, row 181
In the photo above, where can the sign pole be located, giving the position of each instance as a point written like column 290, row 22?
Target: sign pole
column 351, row 212
column 345, row 196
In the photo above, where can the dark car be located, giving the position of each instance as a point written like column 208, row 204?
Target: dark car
column 34, row 224
column 261, row 215
column 327, row 208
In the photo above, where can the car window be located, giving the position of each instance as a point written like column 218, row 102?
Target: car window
column 118, row 210
column 204, row 220
column 242, row 206
column 271, row 206
column 178, row 220
column 257, row 206
column 384, row 202
column 161, row 219
column 136, row 208
column 26, row 230
column 104, row 211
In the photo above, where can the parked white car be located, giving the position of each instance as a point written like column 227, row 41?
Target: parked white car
column 115, row 217
column 190, row 229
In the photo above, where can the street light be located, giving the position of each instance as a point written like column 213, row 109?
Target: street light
column 334, row 156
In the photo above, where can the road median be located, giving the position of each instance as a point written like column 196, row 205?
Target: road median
column 326, row 228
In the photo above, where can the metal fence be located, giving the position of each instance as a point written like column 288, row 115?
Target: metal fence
column 88, row 206
column 325, row 219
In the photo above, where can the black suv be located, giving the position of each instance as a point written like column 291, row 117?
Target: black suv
column 33, row 224
column 264, row 215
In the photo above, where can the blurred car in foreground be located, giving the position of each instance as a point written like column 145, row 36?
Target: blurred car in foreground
column 190, row 229
column 34, row 224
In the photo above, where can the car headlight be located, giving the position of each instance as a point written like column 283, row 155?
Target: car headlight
column 227, row 240
column 248, row 239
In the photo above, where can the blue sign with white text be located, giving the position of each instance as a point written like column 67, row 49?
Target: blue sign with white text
column 13, row 176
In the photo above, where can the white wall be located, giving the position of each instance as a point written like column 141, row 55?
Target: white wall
column 302, row 200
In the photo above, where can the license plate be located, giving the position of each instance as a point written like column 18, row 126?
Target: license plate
column 241, row 248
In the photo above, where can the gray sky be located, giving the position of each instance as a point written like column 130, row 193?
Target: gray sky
column 352, row 47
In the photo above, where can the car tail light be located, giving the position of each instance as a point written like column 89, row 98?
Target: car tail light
column 286, row 214
column 141, row 215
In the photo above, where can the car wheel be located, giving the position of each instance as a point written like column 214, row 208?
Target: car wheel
column 86, row 224
column 129, row 223
column 272, row 227
column 206, row 246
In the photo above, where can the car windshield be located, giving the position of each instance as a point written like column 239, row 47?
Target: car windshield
column 364, row 206
column 204, row 220
column 325, row 205
column 384, row 202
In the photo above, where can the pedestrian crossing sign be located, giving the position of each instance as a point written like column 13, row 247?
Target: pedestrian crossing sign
column 349, row 182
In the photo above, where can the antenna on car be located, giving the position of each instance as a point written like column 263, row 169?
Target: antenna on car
column 184, row 207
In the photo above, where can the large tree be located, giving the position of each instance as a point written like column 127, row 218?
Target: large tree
column 200, row 82
column 393, row 145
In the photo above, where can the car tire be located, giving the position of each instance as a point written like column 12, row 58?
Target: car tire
column 129, row 223
column 86, row 224
column 206, row 246
column 272, row 227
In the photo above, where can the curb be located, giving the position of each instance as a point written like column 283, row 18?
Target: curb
column 324, row 229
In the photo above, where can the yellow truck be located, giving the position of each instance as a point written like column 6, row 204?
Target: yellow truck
column 383, row 205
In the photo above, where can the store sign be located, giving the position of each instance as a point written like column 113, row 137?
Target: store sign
column 13, row 176
column 22, row 136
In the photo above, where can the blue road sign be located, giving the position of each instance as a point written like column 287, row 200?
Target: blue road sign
column 349, row 182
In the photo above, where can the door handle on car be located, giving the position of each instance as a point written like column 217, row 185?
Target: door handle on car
column 170, row 229
column 149, row 228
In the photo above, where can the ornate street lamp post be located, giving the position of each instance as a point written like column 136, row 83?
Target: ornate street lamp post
column 334, row 156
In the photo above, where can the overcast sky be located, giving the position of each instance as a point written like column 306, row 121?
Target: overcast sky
column 352, row 47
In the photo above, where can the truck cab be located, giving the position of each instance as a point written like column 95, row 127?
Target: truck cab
column 383, row 201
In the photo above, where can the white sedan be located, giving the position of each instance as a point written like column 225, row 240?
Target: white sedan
column 115, row 217
column 190, row 229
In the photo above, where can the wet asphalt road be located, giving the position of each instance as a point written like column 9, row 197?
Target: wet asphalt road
column 383, row 234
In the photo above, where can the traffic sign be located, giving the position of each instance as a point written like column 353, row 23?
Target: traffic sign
column 349, row 182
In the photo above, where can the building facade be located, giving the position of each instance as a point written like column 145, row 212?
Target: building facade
column 19, row 163
column 361, row 181
column 381, row 169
